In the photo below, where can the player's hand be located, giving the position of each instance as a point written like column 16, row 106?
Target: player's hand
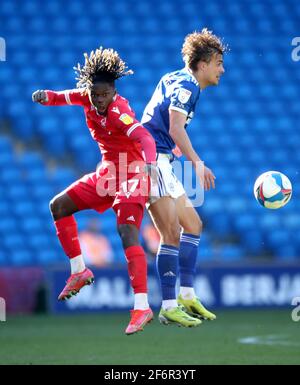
column 177, row 152
column 205, row 175
column 209, row 178
column 40, row 96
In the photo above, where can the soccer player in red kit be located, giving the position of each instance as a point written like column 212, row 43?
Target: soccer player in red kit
column 121, row 182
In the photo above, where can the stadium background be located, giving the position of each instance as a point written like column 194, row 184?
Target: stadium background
column 247, row 125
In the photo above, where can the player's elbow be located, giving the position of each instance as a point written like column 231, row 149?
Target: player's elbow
column 151, row 140
column 148, row 135
column 146, row 139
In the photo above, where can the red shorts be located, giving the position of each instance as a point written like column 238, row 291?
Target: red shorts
column 100, row 191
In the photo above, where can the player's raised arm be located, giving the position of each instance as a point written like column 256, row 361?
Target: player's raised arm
column 180, row 136
column 60, row 98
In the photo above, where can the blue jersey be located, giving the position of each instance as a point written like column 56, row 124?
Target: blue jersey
column 177, row 91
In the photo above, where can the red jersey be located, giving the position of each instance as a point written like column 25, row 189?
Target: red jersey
column 112, row 131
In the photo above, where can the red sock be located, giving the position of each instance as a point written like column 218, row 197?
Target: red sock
column 137, row 268
column 66, row 230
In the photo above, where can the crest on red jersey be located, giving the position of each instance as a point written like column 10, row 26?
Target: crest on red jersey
column 126, row 119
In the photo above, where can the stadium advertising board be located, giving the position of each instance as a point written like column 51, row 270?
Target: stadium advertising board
column 239, row 287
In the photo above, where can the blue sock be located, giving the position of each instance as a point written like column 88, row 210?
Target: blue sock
column 187, row 258
column 167, row 268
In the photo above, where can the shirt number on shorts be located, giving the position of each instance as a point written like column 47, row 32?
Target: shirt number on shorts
column 129, row 186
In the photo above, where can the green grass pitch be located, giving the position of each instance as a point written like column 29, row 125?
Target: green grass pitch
column 270, row 337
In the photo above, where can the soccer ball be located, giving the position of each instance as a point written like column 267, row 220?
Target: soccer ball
column 272, row 189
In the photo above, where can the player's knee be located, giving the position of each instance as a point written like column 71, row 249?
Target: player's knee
column 171, row 235
column 193, row 226
column 129, row 235
column 57, row 208
column 199, row 226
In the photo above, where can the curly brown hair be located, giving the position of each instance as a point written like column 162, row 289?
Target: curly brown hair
column 201, row 46
column 101, row 65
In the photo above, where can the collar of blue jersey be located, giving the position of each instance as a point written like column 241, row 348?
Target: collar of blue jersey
column 187, row 69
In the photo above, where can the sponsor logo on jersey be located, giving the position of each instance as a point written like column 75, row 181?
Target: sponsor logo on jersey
column 126, row 119
column 179, row 105
column 184, row 95
column 115, row 109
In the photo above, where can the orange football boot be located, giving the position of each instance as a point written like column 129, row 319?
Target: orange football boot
column 139, row 319
column 75, row 283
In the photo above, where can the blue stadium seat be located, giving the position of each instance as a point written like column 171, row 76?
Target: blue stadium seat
column 4, row 208
column 220, row 225
column 3, row 258
column 8, row 224
column 244, row 222
column 287, row 253
column 6, row 158
column 5, row 145
column 63, row 177
column 32, row 225
column 50, row 257
column 43, row 192
column 21, row 257
column 253, row 241
column 9, row 174
column 39, row 242
column 14, row 242
column 279, row 238
column 31, row 160
column 25, row 129
column 36, row 175
column 231, row 253
column 212, row 205
column 205, row 254
column 23, row 208
column 18, row 192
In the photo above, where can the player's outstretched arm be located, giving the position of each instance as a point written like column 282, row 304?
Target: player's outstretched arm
column 60, row 98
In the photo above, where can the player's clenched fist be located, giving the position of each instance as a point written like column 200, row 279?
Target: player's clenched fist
column 40, row 96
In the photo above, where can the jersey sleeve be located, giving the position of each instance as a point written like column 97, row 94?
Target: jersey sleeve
column 183, row 97
column 142, row 136
column 68, row 97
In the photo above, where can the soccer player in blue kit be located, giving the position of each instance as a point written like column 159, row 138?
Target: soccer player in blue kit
column 166, row 116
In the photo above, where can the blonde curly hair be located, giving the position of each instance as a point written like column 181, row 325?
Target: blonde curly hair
column 100, row 65
column 201, row 46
